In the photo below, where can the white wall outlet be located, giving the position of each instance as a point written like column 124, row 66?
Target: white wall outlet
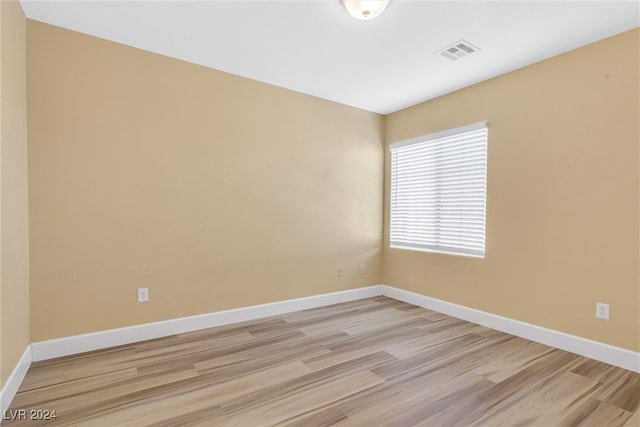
column 340, row 271
column 602, row 311
column 361, row 269
column 143, row 294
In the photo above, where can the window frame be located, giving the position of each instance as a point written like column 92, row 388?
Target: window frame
column 470, row 225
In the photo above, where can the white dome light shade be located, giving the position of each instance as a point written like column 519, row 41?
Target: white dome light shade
column 365, row 9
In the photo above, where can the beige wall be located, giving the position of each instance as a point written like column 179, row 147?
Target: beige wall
column 562, row 194
column 219, row 192
column 213, row 191
column 14, row 233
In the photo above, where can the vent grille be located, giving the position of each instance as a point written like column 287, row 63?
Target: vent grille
column 458, row 50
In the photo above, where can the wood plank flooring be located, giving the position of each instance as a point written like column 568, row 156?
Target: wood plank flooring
column 373, row 362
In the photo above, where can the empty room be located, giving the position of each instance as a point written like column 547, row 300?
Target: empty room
column 323, row 212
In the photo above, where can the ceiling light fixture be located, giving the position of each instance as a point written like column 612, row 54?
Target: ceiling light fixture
column 365, row 9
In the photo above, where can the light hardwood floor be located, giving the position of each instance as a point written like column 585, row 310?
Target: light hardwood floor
column 373, row 362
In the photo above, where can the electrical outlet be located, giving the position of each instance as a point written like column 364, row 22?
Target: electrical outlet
column 143, row 294
column 361, row 269
column 340, row 271
column 602, row 311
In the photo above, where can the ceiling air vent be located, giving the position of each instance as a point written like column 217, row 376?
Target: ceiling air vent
column 458, row 50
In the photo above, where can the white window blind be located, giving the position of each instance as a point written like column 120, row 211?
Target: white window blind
column 438, row 191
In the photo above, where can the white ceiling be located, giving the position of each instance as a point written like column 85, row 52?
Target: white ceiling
column 315, row 47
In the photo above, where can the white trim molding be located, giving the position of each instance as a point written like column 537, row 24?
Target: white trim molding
column 606, row 353
column 616, row 356
column 43, row 350
column 11, row 386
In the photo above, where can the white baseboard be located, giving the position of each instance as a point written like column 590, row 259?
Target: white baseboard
column 11, row 386
column 50, row 349
column 616, row 356
column 94, row 341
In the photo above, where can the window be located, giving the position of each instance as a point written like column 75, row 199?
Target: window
column 438, row 192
